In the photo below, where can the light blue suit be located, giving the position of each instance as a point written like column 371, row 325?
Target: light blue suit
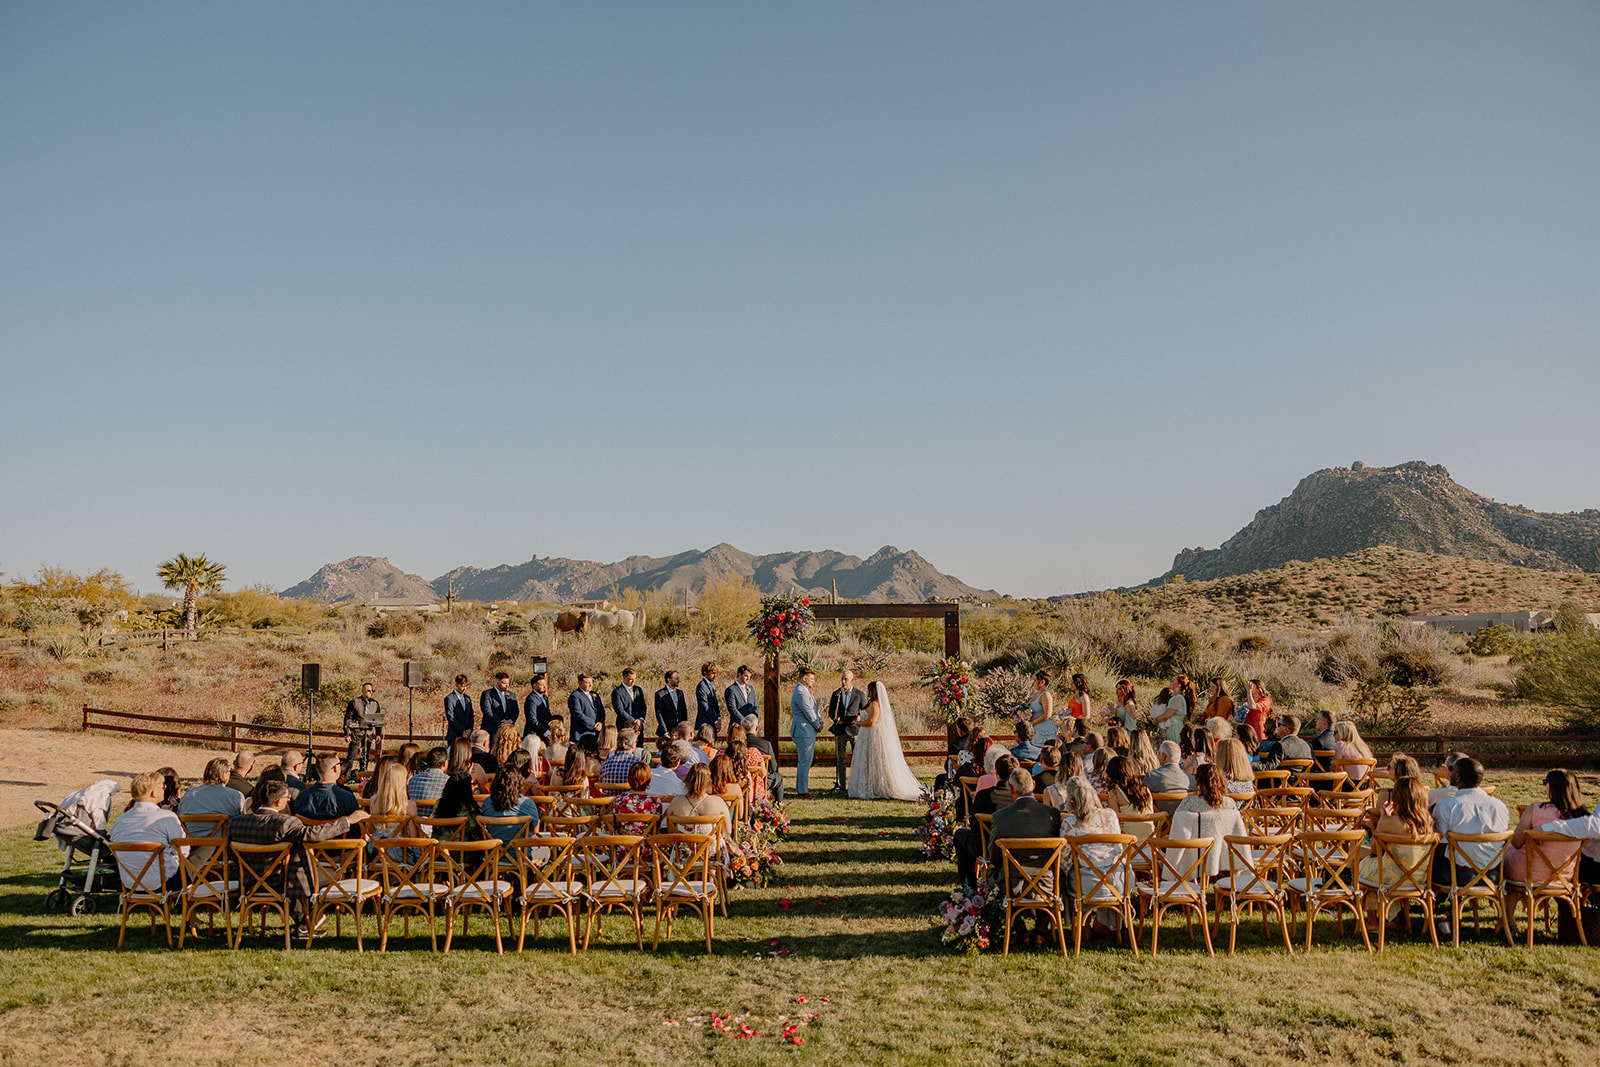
column 806, row 724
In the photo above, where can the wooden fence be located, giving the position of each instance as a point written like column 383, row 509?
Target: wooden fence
column 209, row 732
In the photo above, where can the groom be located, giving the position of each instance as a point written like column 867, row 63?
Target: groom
column 844, row 708
column 803, row 727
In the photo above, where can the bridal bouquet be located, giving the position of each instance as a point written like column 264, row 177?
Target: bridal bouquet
column 951, row 681
column 937, row 831
column 970, row 920
column 779, row 621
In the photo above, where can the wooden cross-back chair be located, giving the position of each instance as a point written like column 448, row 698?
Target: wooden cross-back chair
column 1143, row 827
column 1256, row 865
column 1108, row 888
column 614, row 878
column 550, row 884
column 1552, row 876
column 1328, row 860
column 1412, row 865
column 715, row 827
column 475, row 885
column 1036, row 887
column 408, row 878
column 342, row 885
column 1484, row 880
column 263, row 870
column 1271, row 821
column 683, row 880
column 206, row 886
column 144, row 885
column 1176, row 883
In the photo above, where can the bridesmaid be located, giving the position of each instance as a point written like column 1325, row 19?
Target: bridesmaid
column 1124, row 710
column 1041, row 709
column 1078, row 702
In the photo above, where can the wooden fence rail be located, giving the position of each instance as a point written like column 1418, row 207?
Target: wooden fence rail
column 218, row 732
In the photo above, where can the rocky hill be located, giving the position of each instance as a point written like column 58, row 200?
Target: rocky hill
column 363, row 578
column 887, row 575
column 1412, row 506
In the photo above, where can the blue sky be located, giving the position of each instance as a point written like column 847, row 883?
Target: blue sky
column 1043, row 291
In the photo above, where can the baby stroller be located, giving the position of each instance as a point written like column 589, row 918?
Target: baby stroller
column 78, row 825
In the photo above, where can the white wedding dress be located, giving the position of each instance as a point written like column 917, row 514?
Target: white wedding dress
column 878, row 769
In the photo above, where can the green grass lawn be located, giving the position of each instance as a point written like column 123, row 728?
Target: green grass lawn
column 856, row 941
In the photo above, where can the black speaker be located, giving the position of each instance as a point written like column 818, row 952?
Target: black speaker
column 413, row 675
column 310, row 677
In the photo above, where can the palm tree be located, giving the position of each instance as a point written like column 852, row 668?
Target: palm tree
column 196, row 575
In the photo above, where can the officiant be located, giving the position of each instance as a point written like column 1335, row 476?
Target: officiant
column 844, row 708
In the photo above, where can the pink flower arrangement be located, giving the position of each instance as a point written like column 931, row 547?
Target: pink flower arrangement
column 951, row 681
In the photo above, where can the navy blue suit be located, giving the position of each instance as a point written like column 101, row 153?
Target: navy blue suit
column 585, row 713
column 497, row 707
column 628, row 702
column 457, row 715
column 536, row 715
column 707, row 710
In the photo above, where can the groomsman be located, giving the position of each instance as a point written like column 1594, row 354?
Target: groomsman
column 585, row 713
column 627, row 700
column 536, row 709
column 499, row 704
column 457, row 711
column 740, row 697
column 844, row 708
column 803, row 727
column 670, row 708
column 707, row 711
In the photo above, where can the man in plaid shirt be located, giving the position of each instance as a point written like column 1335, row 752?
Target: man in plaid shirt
column 614, row 771
column 270, row 824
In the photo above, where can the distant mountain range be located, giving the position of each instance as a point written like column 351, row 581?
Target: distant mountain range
column 1412, row 506
column 887, row 575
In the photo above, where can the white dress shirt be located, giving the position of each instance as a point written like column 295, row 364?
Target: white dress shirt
column 145, row 823
column 1472, row 811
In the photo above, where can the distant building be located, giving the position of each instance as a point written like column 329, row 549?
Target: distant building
column 1524, row 622
column 402, row 604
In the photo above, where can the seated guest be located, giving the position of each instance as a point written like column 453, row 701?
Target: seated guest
column 213, row 796
column 390, row 802
column 1118, row 740
column 1469, row 811
column 706, row 741
column 539, row 765
column 1169, row 777
column 615, row 768
column 506, row 799
column 1565, row 802
column 270, row 824
column 1025, row 750
column 1439, row 793
column 575, row 771
column 522, row 764
column 1288, row 745
column 147, row 823
column 1325, row 741
column 966, row 837
column 507, row 739
column 1348, row 744
column 726, row 777
column 688, row 757
column 664, row 780
column 953, row 751
column 1143, row 753
column 1234, row 762
column 171, row 789
column 457, row 799
column 748, row 761
column 986, row 801
column 369, row 786
column 1128, row 793
column 327, row 799
column 1085, row 816
column 1023, row 817
column 1094, row 756
column 1198, row 747
column 698, row 802
column 243, row 764
column 1049, row 767
column 482, row 758
column 1210, row 812
column 1400, row 766
column 1247, row 738
column 762, row 745
column 608, row 742
column 556, row 752
column 638, row 800
column 1586, row 826
column 293, row 763
column 427, row 785
column 1407, row 817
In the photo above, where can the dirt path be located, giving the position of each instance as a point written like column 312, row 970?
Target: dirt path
column 49, row 764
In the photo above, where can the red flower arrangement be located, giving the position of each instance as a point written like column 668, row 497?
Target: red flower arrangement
column 780, row 621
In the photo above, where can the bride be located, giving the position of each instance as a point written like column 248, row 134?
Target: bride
column 878, row 768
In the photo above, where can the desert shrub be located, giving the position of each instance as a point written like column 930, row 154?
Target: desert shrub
column 1496, row 640
column 396, row 624
column 724, row 608
column 63, row 683
column 11, row 699
column 185, row 682
column 1350, row 653
column 1292, row 681
column 509, row 626
column 258, row 607
column 997, row 629
column 804, row 655
column 1001, row 690
column 1380, row 707
column 870, row 661
column 667, row 623
column 1253, row 643
column 1571, row 618
column 1411, row 655
column 542, row 631
column 108, row 674
column 899, row 635
column 1179, row 645
column 1107, row 632
column 1563, row 670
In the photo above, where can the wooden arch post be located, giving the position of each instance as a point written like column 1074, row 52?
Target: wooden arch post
column 948, row 610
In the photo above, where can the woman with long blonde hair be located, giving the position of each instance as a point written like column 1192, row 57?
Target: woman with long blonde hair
column 389, row 801
column 507, row 739
column 1347, row 744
